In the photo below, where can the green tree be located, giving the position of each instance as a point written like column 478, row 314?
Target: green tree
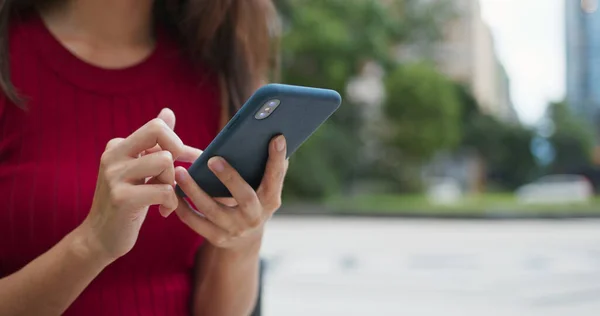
column 573, row 139
column 423, row 111
column 324, row 44
column 503, row 147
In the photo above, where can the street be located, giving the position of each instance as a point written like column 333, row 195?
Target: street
column 362, row 266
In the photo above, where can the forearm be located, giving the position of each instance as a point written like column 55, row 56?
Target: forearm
column 51, row 282
column 227, row 281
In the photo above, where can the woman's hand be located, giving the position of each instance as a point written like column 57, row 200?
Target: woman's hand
column 238, row 224
column 123, row 194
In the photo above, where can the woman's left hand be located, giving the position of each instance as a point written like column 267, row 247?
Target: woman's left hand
column 237, row 222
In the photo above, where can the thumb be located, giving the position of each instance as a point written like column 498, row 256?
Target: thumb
column 168, row 116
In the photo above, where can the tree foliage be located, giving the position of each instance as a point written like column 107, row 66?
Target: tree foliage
column 423, row 110
column 503, row 147
column 573, row 139
column 324, row 44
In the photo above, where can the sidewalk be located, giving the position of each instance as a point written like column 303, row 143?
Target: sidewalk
column 490, row 214
column 386, row 267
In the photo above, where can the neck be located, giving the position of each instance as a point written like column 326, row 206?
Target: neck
column 108, row 22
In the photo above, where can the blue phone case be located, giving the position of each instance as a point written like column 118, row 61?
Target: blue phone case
column 244, row 141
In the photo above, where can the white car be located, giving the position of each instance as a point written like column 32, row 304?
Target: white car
column 444, row 191
column 555, row 189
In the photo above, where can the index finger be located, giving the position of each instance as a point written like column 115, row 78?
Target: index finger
column 155, row 132
column 189, row 154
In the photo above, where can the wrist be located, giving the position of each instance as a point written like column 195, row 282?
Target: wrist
column 83, row 247
column 249, row 248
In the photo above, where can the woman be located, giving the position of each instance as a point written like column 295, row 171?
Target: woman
column 83, row 156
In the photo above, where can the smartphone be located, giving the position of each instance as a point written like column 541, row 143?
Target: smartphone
column 274, row 109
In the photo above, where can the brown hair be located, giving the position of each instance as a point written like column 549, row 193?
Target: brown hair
column 234, row 37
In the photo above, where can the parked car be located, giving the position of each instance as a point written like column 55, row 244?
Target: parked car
column 552, row 189
column 444, row 190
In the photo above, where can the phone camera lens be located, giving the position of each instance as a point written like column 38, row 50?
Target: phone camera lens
column 267, row 109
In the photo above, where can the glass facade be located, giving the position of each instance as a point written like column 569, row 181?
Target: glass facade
column 583, row 60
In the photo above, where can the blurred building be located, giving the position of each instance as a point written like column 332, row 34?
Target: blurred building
column 583, row 60
column 468, row 55
column 506, row 112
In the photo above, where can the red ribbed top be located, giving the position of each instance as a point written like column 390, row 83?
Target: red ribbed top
column 49, row 158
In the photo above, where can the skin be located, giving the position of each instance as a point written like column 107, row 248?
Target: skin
column 227, row 278
column 138, row 171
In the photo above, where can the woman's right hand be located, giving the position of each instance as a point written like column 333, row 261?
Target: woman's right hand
column 123, row 194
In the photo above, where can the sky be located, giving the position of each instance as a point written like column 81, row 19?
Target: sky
column 530, row 42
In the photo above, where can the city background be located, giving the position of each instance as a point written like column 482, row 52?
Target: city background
column 459, row 177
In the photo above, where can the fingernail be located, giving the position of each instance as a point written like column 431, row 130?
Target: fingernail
column 280, row 143
column 180, row 174
column 163, row 212
column 216, row 164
